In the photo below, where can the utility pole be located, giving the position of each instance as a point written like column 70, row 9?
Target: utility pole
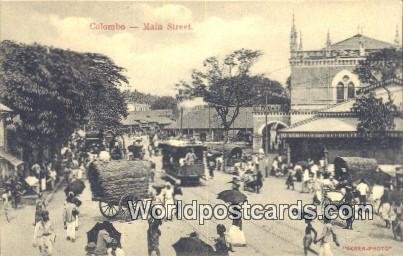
column 181, row 132
column 266, row 129
column 209, row 123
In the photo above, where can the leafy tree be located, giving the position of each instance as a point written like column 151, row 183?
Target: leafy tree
column 164, row 102
column 264, row 87
column 52, row 90
column 376, row 117
column 225, row 85
column 380, row 66
column 139, row 97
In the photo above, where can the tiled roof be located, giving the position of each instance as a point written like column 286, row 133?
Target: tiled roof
column 152, row 116
column 353, row 43
column 199, row 119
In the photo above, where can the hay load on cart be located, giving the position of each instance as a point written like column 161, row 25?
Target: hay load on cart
column 116, row 182
column 356, row 168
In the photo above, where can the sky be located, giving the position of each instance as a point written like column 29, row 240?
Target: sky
column 156, row 60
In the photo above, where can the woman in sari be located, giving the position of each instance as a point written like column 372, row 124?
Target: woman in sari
column 236, row 236
column 44, row 235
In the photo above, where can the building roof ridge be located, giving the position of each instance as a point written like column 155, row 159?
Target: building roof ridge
column 397, row 80
column 315, row 117
column 336, row 105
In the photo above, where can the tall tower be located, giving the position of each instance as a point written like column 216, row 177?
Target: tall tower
column 293, row 36
column 300, row 48
column 397, row 37
column 328, row 44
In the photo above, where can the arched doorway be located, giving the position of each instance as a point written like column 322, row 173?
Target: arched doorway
column 270, row 141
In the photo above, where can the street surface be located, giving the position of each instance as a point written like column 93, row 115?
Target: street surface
column 264, row 237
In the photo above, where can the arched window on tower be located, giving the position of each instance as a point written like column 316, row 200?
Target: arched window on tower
column 351, row 90
column 340, row 92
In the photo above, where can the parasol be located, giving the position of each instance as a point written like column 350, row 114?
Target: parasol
column 192, row 246
column 232, row 196
column 76, row 186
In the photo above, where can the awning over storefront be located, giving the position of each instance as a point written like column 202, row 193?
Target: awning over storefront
column 332, row 127
column 10, row 158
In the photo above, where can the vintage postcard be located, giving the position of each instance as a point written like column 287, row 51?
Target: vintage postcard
column 201, row 128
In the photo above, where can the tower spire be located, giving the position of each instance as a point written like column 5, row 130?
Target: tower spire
column 397, row 37
column 293, row 36
column 300, row 41
column 328, row 41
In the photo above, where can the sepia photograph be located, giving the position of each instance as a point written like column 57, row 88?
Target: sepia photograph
column 201, row 128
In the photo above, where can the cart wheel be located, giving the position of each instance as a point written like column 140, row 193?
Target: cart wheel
column 108, row 210
column 124, row 206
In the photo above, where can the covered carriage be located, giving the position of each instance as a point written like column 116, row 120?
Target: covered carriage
column 232, row 153
column 115, row 183
column 354, row 169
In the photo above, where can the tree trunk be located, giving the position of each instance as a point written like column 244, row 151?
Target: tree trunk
column 224, row 152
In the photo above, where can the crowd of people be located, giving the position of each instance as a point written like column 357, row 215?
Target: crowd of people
column 315, row 177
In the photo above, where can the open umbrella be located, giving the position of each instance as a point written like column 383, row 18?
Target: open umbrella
column 92, row 234
column 76, row 186
column 192, row 246
column 232, row 196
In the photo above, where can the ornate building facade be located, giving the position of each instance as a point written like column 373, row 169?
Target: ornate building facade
column 323, row 84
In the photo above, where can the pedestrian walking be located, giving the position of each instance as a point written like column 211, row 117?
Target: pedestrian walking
column 69, row 218
column 222, row 247
column 385, row 213
column 152, row 171
column 40, row 206
column 6, row 203
column 274, row 167
column 114, row 250
column 290, row 179
column 259, row 181
column 363, row 189
column 308, row 239
column 153, row 236
column 349, row 199
column 44, row 235
column 211, row 165
column 325, row 238
column 305, row 181
column 150, row 150
column 169, row 200
column 236, row 235
column 52, row 176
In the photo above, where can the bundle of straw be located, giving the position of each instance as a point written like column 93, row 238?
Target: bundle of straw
column 111, row 180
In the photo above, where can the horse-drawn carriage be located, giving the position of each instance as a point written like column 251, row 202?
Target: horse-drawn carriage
column 231, row 153
column 183, row 161
column 348, row 171
column 98, row 140
column 115, row 183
